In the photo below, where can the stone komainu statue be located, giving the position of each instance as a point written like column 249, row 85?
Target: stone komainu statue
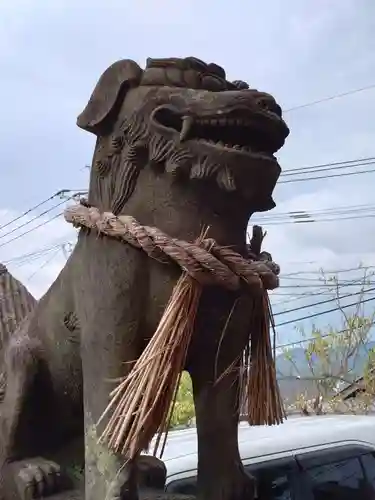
column 178, row 147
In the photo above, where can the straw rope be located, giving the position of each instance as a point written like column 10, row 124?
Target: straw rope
column 207, row 263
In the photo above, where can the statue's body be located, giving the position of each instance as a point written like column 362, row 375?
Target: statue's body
column 178, row 147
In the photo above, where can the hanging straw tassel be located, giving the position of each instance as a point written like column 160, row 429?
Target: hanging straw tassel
column 141, row 404
column 260, row 390
column 260, row 398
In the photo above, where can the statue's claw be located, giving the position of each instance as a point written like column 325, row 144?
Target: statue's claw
column 37, row 478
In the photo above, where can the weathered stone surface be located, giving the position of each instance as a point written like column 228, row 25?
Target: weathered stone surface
column 68, row 495
column 178, row 147
column 15, row 303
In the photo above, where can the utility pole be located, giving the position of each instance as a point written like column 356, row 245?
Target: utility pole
column 67, row 249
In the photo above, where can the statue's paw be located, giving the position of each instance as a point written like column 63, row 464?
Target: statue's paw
column 37, row 478
column 120, row 488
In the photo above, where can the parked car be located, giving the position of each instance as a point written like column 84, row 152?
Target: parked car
column 307, row 458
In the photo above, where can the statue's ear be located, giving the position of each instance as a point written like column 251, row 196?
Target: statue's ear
column 104, row 104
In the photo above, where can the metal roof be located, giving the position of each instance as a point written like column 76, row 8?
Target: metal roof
column 15, row 303
column 351, row 390
column 260, row 442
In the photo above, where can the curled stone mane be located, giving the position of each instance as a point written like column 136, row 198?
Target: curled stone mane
column 121, row 154
column 118, row 161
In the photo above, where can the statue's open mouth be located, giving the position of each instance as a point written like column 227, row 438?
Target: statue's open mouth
column 256, row 133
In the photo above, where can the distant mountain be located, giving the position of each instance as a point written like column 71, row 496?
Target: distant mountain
column 288, row 371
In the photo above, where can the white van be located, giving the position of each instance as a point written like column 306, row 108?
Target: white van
column 306, row 458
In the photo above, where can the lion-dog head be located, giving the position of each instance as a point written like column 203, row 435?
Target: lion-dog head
column 183, row 116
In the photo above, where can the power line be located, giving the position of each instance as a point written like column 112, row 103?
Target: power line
column 345, row 174
column 295, row 298
column 311, row 170
column 270, row 222
column 312, row 339
column 324, row 285
column 36, row 253
column 45, row 263
column 326, row 301
column 318, row 281
column 77, row 193
column 338, row 283
column 338, row 210
column 33, row 258
column 364, row 209
column 34, row 219
column 325, row 168
column 330, row 98
column 324, row 288
column 327, row 210
column 314, row 315
column 331, row 271
column 32, row 229
column 58, row 193
column 30, row 255
column 360, row 162
column 320, row 291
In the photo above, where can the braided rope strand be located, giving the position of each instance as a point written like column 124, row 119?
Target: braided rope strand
column 208, row 263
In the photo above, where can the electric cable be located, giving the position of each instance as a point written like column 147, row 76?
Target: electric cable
column 58, row 193
column 331, row 165
column 314, row 315
column 344, row 174
column 45, row 263
column 32, row 229
column 312, row 339
column 330, row 98
column 326, row 301
column 34, row 218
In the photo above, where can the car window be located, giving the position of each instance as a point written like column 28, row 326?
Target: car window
column 272, row 483
column 339, row 480
column 368, row 462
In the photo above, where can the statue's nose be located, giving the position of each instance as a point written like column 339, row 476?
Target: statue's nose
column 268, row 103
column 252, row 97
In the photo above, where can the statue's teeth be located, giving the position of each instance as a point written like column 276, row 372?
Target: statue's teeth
column 187, row 123
column 225, row 179
column 197, row 171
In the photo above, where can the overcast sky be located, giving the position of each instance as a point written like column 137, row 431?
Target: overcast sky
column 52, row 53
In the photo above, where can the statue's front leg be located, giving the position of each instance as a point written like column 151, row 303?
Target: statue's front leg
column 110, row 306
column 105, row 356
column 221, row 475
column 25, row 426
